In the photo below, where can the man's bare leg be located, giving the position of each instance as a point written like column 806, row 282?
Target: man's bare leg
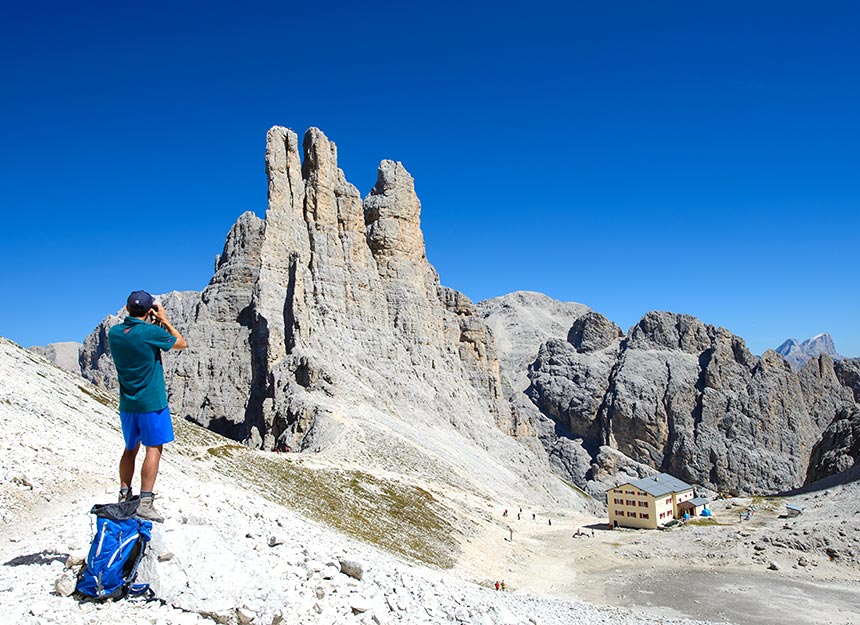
column 126, row 466
column 150, row 468
column 147, row 481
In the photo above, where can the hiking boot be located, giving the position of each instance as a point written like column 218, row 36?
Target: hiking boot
column 124, row 495
column 145, row 510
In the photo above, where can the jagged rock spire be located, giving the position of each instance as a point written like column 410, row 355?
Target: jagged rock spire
column 392, row 213
column 327, row 326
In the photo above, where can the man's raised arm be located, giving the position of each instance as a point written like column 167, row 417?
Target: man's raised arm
column 161, row 316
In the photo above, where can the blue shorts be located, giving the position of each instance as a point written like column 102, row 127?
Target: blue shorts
column 150, row 428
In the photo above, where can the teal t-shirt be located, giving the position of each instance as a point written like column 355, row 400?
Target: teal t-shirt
column 135, row 348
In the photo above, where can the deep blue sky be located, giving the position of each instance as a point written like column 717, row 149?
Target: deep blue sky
column 698, row 159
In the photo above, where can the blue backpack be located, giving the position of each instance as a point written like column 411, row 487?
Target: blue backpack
column 115, row 553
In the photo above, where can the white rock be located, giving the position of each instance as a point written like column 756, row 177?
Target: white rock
column 352, row 568
column 360, row 604
column 245, row 616
column 222, row 617
column 182, row 618
column 65, row 584
column 75, row 559
column 505, row 617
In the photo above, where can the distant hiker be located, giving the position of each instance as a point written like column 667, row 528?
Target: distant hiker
column 518, row 516
column 497, row 584
column 505, row 513
column 549, row 521
column 533, row 516
column 135, row 346
column 503, row 584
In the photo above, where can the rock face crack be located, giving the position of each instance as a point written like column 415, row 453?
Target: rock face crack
column 292, row 326
column 672, row 434
column 260, row 387
column 701, row 385
column 605, row 410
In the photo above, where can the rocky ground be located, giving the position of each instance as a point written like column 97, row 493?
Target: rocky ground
column 765, row 569
column 256, row 537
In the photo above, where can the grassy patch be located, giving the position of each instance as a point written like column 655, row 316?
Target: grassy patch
column 400, row 518
column 103, row 397
column 576, row 489
column 704, row 521
column 768, row 502
column 224, row 451
column 771, row 499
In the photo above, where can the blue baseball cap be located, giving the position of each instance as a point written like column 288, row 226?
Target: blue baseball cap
column 139, row 302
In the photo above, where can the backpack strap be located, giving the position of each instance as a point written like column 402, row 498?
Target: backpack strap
column 141, row 590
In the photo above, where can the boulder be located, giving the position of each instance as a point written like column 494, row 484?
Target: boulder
column 593, row 332
column 352, row 568
column 65, row 584
column 848, row 372
column 838, row 449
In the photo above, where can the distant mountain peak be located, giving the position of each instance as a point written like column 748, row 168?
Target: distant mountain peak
column 798, row 354
column 786, row 345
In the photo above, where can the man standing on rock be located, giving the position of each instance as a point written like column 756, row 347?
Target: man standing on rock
column 136, row 346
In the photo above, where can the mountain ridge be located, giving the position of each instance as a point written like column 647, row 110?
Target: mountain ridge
column 324, row 324
column 799, row 353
